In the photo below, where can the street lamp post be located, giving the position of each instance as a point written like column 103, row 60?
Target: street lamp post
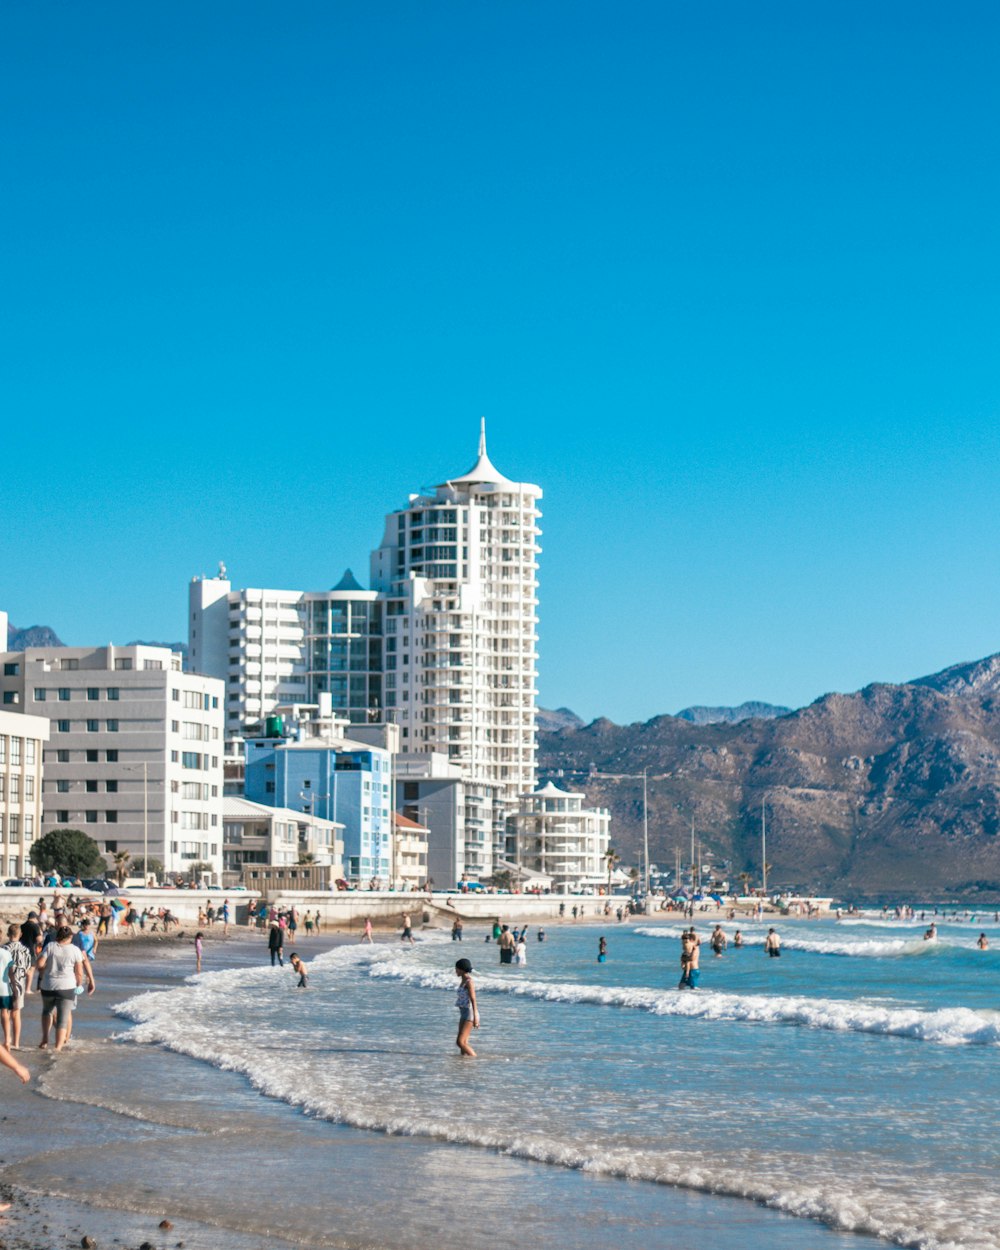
column 132, row 768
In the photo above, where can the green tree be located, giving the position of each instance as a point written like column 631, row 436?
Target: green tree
column 69, row 851
column 140, row 869
column 121, row 859
column 306, row 857
column 611, row 861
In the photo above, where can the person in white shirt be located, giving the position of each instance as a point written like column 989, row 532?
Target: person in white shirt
column 63, row 968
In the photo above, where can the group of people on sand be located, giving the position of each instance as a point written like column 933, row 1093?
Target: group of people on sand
column 48, row 956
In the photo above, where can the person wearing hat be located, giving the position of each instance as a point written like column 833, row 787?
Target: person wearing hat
column 468, row 1009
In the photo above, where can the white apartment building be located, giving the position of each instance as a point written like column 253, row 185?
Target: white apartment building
column 458, row 573
column 444, row 645
column 134, row 756
column 256, row 835
column 274, row 647
column 430, row 791
column 553, row 834
column 22, row 743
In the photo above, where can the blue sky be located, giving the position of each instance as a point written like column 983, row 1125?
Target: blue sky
column 722, row 277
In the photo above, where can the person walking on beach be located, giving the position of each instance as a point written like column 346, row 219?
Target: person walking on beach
column 275, row 944
column 199, row 939
column 407, row 934
column 18, row 975
column 85, row 940
column 367, row 935
column 468, row 1008
column 31, row 940
column 225, row 918
column 63, row 968
column 299, row 967
column 772, row 944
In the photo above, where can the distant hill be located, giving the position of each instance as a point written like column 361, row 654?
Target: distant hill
column 33, row 636
column 731, row 715
column 890, row 792
column 562, row 718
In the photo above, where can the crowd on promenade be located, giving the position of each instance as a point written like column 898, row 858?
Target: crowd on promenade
column 49, row 954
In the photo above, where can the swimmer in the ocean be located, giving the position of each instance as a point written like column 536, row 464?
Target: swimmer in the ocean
column 983, row 942
column 602, row 950
column 299, row 967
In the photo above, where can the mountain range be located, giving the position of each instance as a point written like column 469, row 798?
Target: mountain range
column 892, row 792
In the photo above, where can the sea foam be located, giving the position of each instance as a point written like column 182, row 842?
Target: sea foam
column 949, row 1026
column 198, row 1020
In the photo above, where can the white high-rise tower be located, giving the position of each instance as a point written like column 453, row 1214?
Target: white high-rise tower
column 458, row 574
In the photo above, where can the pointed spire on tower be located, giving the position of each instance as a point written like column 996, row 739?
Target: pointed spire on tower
column 482, row 437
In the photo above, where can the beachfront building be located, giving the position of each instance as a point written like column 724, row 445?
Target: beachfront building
column 134, row 756
column 274, row 647
column 431, row 792
column 22, row 745
column 308, row 764
column 409, row 853
column 554, row 835
column 457, row 571
column 257, row 834
column 444, row 645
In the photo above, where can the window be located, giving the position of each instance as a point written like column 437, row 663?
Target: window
column 62, row 757
column 91, row 755
column 111, row 816
column 93, row 694
column 173, row 757
column 112, row 726
column 175, row 726
column 11, row 669
column 152, row 665
column 111, row 846
column 111, row 756
column 215, row 701
column 92, row 726
column 191, row 759
column 62, row 726
column 30, row 749
column 29, row 788
column 69, row 666
column 111, row 787
column 91, row 818
column 62, row 786
column 10, row 696
column 91, row 787
column 123, row 665
column 62, row 816
column 64, row 694
column 39, row 694
column 113, row 693
column 175, row 695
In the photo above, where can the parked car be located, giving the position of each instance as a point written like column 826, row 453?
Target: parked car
column 14, row 882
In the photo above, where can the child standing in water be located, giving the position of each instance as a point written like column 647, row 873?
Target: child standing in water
column 299, row 967
column 602, row 950
column 198, row 939
column 468, row 1010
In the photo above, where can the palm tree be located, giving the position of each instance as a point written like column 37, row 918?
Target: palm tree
column 307, row 857
column 611, row 861
column 121, row 859
column 745, row 879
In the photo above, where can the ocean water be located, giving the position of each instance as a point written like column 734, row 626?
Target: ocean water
column 846, row 1091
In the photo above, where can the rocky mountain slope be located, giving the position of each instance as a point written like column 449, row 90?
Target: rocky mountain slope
column 745, row 711
column 33, row 636
column 890, row 792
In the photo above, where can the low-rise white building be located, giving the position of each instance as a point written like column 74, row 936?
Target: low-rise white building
column 555, row 835
column 256, row 835
column 22, row 743
column 134, row 757
column 430, row 790
column 409, row 852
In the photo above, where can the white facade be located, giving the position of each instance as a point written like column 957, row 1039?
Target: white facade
column 134, row 757
column 22, row 744
column 255, row 834
column 458, row 571
column 555, row 835
column 275, row 647
column 430, row 790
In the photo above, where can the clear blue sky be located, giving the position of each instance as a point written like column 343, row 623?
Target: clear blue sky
column 723, row 277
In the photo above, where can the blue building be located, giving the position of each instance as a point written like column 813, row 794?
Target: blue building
column 314, row 769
